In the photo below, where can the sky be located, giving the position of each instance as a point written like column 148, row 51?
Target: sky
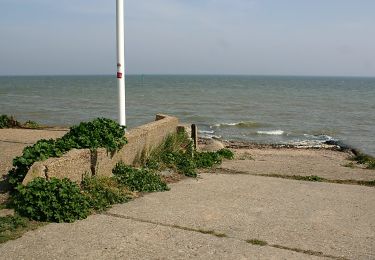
column 247, row 37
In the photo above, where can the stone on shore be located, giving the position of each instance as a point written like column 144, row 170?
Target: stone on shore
column 212, row 146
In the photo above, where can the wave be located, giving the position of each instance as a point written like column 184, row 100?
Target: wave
column 271, row 132
column 206, row 131
column 316, row 141
column 307, row 143
column 209, row 136
column 242, row 124
column 328, row 132
column 320, row 137
column 21, row 96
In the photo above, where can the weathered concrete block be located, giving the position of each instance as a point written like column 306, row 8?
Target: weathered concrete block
column 212, row 146
column 77, row 163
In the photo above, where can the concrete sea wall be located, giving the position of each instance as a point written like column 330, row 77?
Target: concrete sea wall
column 77, row 163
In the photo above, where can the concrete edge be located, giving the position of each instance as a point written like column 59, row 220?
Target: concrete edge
column 77, row 163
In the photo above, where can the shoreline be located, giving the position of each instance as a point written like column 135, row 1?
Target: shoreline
column 330, row 142
column 333, row 145
column 238, row 144
column 329, row 145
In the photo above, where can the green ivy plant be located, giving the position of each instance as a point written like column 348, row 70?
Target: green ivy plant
column 100, row 133
column 226, row 153
column 52, row 200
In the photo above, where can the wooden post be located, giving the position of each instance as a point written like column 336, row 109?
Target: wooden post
column 194, row 135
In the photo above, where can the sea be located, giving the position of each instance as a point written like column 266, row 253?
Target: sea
column 258, row 109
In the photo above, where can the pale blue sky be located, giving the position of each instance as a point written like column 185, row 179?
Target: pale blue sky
column 255, row 37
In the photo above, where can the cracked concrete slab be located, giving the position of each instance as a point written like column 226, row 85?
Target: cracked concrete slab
column 106, row 237
column 334, row 219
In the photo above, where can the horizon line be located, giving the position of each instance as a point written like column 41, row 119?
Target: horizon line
column 189, row 74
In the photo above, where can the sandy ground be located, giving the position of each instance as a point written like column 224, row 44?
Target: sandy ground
column 297, row 219
column 328, row 164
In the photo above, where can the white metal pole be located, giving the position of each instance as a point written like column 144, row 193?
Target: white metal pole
column 121, row 61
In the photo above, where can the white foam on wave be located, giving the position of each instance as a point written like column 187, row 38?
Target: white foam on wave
column 327, row 137
column 206, row 131
column 307, row 143
column 313, row 141
column 271, row 132
column 226, row 124
column 242, row 124
column 214, row 136
column 209, row 136
column 322, row 138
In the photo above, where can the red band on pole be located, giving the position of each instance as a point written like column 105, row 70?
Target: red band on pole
column 119, row 75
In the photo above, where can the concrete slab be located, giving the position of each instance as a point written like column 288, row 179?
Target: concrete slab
column 30, row 136
column 106, row 237
column 334, row 219
column 304, row 218
column 12, row 142
column 323, row 163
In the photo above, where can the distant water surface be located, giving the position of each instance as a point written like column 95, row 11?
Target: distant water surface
column 260, row 109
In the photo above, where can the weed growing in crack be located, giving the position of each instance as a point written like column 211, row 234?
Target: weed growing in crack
column 12, row 227
column 102, row 192
column 257, row 242
column 177, row 153
column 142, row 180
column 365, row 159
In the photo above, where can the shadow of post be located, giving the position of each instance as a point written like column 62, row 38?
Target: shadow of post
column 4, row 185
column 93, row 161
column 5, row 189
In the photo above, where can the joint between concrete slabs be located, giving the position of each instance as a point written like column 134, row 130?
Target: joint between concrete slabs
column 223, row 235
column 297, row 178
column 15, row 142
